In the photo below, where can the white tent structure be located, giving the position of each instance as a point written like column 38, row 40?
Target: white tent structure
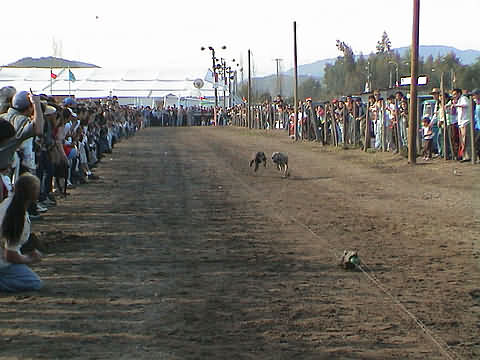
column 131, row 86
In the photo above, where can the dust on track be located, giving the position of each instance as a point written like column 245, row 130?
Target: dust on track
column 181, row 252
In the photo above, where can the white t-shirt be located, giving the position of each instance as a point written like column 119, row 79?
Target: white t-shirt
column 23, row 238
column 67, row 128
column 389, row 113
column 463, row 116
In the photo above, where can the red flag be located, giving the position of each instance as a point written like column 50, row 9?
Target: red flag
column 52, row 75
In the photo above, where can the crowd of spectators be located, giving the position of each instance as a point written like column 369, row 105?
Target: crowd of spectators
column 181, row 116
column 343, row 121
column 47, row 146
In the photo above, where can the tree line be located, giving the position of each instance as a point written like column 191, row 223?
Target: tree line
column 355, row 74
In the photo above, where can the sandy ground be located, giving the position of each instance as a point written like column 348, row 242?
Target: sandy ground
column 180, row 251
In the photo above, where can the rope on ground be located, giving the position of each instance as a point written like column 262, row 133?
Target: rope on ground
column 440, row 343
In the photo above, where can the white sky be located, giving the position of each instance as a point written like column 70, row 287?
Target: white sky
column 169, row 34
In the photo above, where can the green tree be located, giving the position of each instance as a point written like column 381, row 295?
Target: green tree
column 310, row 87
column 384, row 46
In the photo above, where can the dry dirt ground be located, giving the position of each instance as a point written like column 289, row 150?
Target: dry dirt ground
column 180, row 251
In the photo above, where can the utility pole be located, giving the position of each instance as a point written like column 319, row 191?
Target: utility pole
column 215, row 74
column 249, row 91
column 295, row 79
column 369, row 84
column 413, row 111
column 224, row 66
column 279, row 80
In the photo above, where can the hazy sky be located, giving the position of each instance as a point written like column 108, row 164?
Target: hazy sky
column 169, row 34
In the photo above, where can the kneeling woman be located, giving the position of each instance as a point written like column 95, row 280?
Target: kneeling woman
column 15, row 275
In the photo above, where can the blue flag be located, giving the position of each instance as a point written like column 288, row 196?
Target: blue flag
column 71, row 77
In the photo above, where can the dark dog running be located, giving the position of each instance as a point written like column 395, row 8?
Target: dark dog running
column 257, row 159
column 281, row 160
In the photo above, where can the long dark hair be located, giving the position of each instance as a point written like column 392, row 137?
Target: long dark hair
column 26, row 189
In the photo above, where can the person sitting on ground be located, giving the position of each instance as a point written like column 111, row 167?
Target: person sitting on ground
column 15, row 275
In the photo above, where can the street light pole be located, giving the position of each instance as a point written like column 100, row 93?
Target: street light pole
column 397, row 79
column 215, row 74
column 396, row 71
column 279, row 80
column 224, row 67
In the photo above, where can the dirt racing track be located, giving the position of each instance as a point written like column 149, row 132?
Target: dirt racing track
column 181, row 251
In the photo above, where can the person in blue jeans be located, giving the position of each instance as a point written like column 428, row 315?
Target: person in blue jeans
column 15, row 275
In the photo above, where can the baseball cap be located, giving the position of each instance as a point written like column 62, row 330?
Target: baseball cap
column 69, row 101
column 21, row 101
column 476, row 91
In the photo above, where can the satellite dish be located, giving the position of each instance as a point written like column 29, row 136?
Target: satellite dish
column 198, row 83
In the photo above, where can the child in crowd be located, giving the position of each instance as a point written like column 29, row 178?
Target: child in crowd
column 427, row 138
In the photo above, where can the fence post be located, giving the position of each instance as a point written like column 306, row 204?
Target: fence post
column 325, row 126
column 355, row 114
column 314, row 122
column 383, row 127
column 419, row 126
column 334, row 127
column 472, row 130
column 366, row 144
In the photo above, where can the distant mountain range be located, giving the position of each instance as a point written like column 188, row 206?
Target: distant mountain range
column 317, row 68
column 467, row 57
column 49, row 62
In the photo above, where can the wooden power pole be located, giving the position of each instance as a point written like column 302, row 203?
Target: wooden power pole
column 279, row 80
column 295, row 81
column 413, row 113
column 249, row 92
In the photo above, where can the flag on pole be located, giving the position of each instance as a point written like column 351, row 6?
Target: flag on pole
column 52, row 75
column 209, row 77
column 71, row 77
